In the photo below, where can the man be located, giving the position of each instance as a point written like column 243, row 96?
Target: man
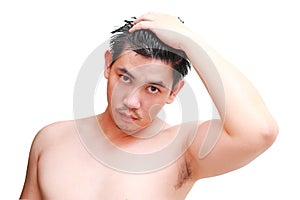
column 141, row 79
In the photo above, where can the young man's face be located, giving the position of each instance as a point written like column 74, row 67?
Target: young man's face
column 138, row 87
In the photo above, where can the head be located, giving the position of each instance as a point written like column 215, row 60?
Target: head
column 147, row 44
column 143, row 75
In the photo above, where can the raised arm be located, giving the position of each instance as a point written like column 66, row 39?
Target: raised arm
column 246, row 128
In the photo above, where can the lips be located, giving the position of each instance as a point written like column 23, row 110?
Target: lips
column 128, row 117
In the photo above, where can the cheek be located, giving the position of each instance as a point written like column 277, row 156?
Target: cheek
column 152, row 108
column 115, row 92
column 155, row 104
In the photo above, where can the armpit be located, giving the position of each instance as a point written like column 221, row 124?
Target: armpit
column 184, row 174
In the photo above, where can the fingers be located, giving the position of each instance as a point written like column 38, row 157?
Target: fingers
column 149, row 21
column 141, row 25
column 152, row 21
column 146, row 17
column 143, row 22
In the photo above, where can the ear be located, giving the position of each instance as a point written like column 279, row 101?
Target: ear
column 108, row 61
column 177, row 87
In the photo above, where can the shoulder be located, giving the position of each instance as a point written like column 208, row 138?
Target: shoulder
column 183, row 134
column 44, row 140
column 53, row 134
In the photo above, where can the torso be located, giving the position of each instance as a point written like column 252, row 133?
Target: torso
column 68, row 171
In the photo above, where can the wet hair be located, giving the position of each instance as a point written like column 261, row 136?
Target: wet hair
column 146, row 43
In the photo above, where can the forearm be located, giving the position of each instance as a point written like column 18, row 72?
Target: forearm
column 239, row 104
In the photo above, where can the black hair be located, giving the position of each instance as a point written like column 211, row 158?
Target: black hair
column 146, row 43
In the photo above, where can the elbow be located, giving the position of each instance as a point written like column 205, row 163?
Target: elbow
column 269, row 133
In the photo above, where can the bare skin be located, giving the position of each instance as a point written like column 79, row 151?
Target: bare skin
column 61, row 168
column 68, row 171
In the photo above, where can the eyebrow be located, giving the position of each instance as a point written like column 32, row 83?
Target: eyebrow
column 124, row 70
column 159, row 83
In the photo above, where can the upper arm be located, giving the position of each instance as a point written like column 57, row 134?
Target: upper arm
column 47, row 138
column 214, row 151
column 31, row 186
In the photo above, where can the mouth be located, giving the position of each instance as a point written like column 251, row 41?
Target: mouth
column 128, row 117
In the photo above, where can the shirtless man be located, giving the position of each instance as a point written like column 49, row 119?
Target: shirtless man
column 60, row 167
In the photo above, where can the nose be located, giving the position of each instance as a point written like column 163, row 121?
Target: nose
column 132, row 100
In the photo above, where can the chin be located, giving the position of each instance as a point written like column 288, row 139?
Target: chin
column 130, row 129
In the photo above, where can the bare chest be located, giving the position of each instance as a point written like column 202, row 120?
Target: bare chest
column 65, row 174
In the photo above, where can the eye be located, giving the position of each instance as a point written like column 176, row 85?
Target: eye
column 125, row 79
column 153, row 89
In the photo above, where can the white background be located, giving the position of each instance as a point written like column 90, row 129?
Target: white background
column 44, row 44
